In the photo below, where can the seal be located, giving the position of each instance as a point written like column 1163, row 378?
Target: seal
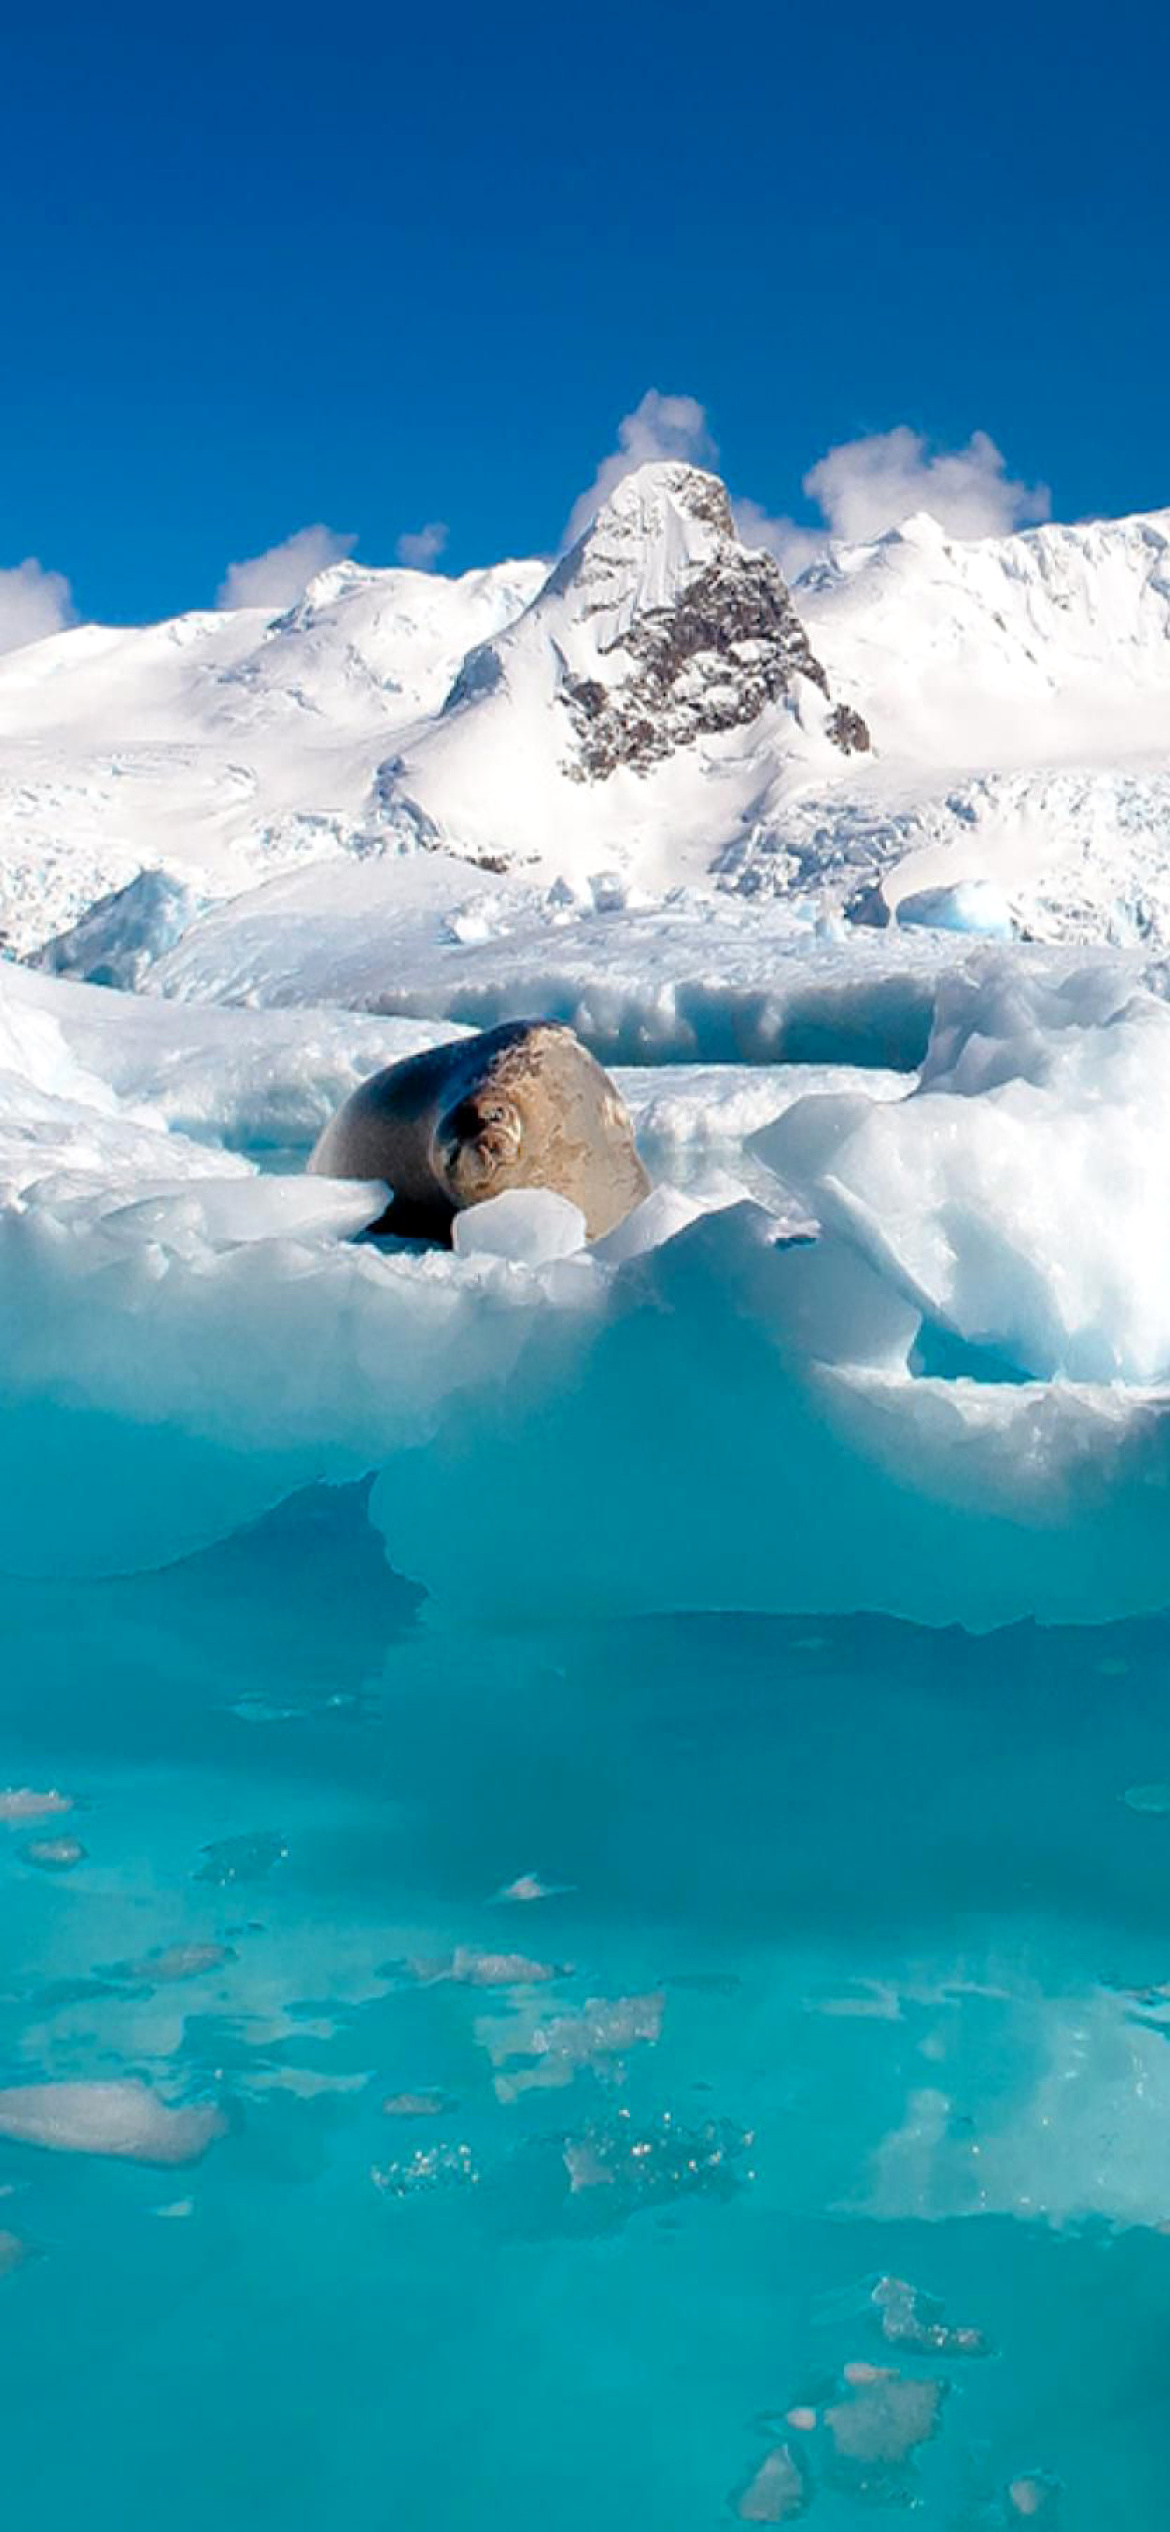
column 524, row 1105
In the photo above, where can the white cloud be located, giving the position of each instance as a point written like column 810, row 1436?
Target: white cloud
column 33, row 602
column 861, row 488
column 279, row 577
column 871, row 485
column 420, row 548
column 793, row 546
column 660, row 426
column 866, row 486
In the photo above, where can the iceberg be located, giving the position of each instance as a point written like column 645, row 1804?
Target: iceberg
column 964, row 905
column 946, row 1301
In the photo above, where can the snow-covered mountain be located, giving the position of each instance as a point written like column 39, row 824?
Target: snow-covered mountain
column 1019, row 692
column 656, row 711
column 636, row 714
column 221, row 747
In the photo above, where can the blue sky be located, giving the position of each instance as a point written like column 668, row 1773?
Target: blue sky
column 377, row 268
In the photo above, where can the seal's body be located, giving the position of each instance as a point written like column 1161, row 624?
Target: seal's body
column 524, row 1105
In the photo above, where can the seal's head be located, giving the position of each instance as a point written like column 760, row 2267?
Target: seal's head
column 478, row 1145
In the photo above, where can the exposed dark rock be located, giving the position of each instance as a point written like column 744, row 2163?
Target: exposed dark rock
column 848, row 731
column 731, row 643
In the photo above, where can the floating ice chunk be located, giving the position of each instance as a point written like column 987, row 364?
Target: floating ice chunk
column 54, row 1854
column 1017, row 1199
column 219, row 1213
column 546, row 2055
column 529, row 1226
column 647, row 2162
column 469, row 924
column 1034, row 2498
column 968, row 905
column 124, row 2119
column 19, row 1803
column 567, row 892
column 306, row 2083
column 175, row 2209
column 665, row 1211
column 433, row 2168
column 529, row 1886
column 914, row 2320
column 610, row 892
column 177, row 1962
column 418, row 2105
column 499, row 1969
column 884, row 2417
column 778, row 2493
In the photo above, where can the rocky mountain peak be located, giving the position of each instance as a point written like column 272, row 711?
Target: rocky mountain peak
column 691, row 633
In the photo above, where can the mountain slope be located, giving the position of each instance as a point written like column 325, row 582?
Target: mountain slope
column 220, row 746
column 658, row 710
column 1019, row 687
column 657, row 687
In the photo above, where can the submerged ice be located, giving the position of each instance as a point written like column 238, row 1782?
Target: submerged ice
column 120, row 2118
column 873, row 2247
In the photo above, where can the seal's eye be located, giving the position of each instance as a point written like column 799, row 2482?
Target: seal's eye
column 464, row 1122
column 479, row 1137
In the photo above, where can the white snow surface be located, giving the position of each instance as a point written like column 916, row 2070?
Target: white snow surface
column 713, row 979
column 908, row 1348
column 223, row 745
column 1017, row 691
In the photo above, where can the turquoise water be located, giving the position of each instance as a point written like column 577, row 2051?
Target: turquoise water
column 853, row 1949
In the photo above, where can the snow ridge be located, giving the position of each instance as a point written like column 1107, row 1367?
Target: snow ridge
column 919, row 714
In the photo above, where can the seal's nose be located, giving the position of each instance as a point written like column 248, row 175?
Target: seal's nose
column 476, row 1137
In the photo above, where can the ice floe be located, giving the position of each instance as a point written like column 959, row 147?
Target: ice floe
column 778, row 2492
column 944, row 1298
column 176, row 1962
column 417, row 2105
column 20, row 1803
column 121, row 2118
column 54, row 1854
column 532, row 2051
column 529, row 1886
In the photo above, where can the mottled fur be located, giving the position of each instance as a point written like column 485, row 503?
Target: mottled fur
column 523, row 1105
